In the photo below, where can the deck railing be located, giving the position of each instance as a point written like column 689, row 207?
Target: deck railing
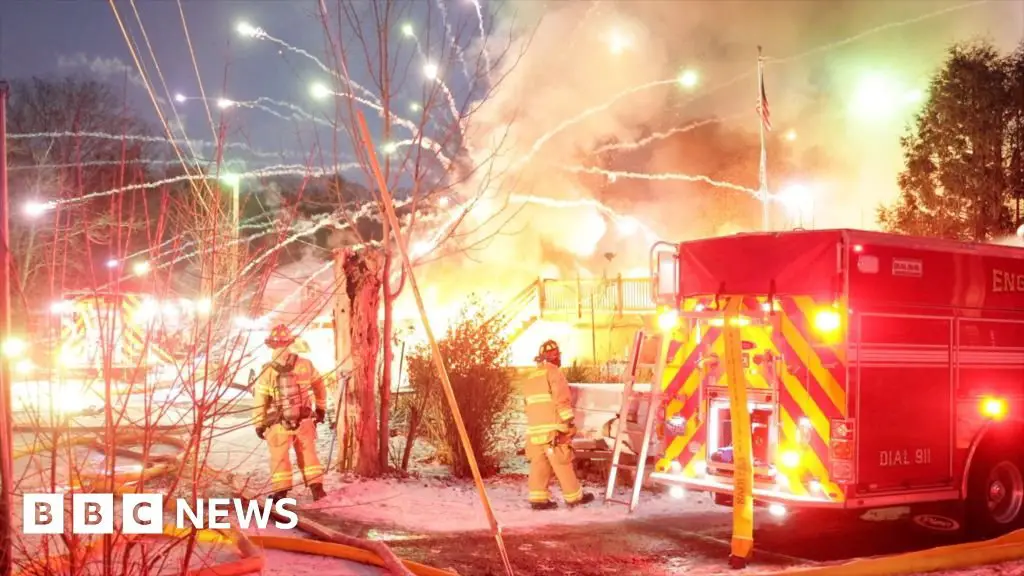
column 598, row 296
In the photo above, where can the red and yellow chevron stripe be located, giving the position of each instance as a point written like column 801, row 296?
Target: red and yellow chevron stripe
column 810, row 389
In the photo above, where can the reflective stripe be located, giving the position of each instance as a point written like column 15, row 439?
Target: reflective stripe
column 542, row 428
column 574, row 497
column 313, row 470
column 539, row 496
column 565, row 414
column 538, row 398
column 281, row 476
column 539, row 440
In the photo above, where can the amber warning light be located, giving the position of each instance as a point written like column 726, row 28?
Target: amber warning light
column 993, row 408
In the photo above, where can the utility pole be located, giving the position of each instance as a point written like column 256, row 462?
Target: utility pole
column 6, row 427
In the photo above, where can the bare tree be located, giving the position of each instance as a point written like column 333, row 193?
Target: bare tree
column 54, row 169
column 422, row 135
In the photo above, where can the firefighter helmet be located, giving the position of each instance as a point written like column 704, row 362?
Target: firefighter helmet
column 280, row 337
column 549, row 352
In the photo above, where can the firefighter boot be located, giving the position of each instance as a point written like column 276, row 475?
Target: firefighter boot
column 317, row 490
column 279, row 495
column 549, row 505
column 587, row 498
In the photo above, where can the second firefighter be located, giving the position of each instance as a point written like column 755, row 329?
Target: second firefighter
column 549, row 431
column 285, row 416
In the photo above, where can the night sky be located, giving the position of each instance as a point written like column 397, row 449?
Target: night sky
column 809, row 92
column 49, row 38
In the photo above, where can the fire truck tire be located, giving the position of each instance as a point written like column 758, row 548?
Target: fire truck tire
column 995, row 491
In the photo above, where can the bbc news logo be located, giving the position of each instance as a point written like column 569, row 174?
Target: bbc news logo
column 144, row 514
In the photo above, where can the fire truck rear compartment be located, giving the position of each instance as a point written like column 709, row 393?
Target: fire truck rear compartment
column 719, row 446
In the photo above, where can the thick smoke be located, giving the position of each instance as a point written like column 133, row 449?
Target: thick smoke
column 568, row 57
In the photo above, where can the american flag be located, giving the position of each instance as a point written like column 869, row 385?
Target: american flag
column 762, row 108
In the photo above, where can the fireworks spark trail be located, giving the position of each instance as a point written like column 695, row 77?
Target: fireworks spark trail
column 298, row 289
column 261, row 34
column 459, row 55
column 426, row 62
column 452, row 107
column 622, row 219
column 246, row 224
column 151, row 139
column 547, row 136
column 483, row 36
column 298, row 113
column 312, row 228
column 663, row 176
column 876, row 30
column 424, row 142
column 540, row 142
column 626, row 146
column 281, row 170
column 155, row 162
column 586, row 16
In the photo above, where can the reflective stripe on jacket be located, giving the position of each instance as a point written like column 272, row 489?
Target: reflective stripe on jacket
column 266, row 391
column 548, row 403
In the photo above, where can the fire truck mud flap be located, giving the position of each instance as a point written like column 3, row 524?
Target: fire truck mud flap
column 1004, row 549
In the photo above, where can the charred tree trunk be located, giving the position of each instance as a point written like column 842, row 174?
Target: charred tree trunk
column 345, row 409
column 363, row 278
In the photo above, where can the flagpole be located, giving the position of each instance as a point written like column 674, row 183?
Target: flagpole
column 763, row 171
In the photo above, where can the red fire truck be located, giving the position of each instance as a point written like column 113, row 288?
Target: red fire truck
column 880, row 370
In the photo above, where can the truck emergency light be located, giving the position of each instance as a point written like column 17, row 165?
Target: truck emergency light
column 993, row 408
column 789, row 458
column 826, row 321
column 668, row 320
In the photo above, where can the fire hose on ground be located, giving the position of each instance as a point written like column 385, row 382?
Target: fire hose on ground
column 1003, row 549
column 251, row 558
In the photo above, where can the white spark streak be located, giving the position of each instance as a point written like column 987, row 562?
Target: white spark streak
column 666, row 176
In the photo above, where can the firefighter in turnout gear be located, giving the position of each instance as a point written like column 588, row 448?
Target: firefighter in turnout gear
column 285, row 417
column 549, row 432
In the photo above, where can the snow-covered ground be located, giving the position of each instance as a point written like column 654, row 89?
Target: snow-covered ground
column 429, row 505
column 435, row 505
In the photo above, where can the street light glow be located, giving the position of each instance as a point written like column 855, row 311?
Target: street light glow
column 140, row 268
column 407, row 30
column 319, row 91
column 390, row 148
column 415, row 107
column 790, row 135
column 430, row 70
column 179, row 97
column 223, row 103
column 689, row 78
column 112, row 263
column 230, row 178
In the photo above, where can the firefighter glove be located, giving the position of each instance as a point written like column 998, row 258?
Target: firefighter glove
column 261, row 430
column 320, row 415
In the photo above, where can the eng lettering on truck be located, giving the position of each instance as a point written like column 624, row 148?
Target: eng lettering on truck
column 905, row 457
column 1003, row 281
